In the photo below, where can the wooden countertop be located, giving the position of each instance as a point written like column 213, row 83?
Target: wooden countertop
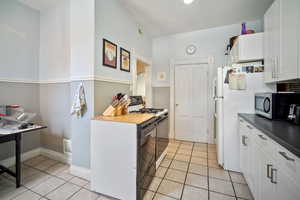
column 132, row 118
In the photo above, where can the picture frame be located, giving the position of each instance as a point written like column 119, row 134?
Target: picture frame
column 125, row 60
column 110, row 54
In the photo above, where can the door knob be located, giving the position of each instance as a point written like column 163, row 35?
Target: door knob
column 177, row 104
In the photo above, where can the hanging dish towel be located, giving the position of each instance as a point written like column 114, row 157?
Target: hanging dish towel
column 79, row 103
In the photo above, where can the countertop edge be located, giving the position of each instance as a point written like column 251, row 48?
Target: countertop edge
column 272, row 136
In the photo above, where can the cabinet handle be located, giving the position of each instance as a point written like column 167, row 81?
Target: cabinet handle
column 286, row 156
column 249, row 127
column 262, row 137
column 244, row 140
column 273, row 174
column 277, row 67
column 268, row 170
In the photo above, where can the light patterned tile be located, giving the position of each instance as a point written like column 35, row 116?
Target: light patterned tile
column 65, row 175
column 212, row 149
column 79, row 181
column 154, row 184
column 221, row 186
column 84, row 194
column 198, row 169
column 197, row 181
column 47, row 186
column 242, row 191
column 184, row 152
column 201, row 149
column 162, row 197
column 201, row 145
column 57, row 168
column 161, row 171
column 199, row 161
column 237, row 177
column 199, row 154
column 213, row 164
column 46, row 164
column 35, row 180
column 219, row 173
column 64, row 192
column 35, row 160
column 181, row 157
column 179, row 165
column 28, row 195
column 218, row 196
column 192, row 193
column 171, row 189
column 148, row 195
column 175, row 175
column 212, row 156
column 170, row 156
column 166, row 162
column 8, row 189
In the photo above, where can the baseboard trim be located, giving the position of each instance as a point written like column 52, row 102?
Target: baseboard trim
column 25, row 156
column 81, row 172
column 61, row 157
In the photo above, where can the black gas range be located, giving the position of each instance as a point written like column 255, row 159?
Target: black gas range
column 153, row 139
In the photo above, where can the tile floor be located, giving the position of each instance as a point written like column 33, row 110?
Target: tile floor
column 189, row 172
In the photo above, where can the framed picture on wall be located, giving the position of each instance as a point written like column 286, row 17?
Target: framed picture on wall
column 109, row 54
column 125, row 60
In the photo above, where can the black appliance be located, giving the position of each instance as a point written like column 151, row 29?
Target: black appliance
column 162, row 121
column 146, row 155
column 294, row 114
column 275, row 105
column 162, row 138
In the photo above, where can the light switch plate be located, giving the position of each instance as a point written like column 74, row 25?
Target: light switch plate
column 161, row 76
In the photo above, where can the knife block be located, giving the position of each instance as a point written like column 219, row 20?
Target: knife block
column 110, row 111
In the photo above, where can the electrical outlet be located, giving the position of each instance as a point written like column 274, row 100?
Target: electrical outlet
column 67, row 146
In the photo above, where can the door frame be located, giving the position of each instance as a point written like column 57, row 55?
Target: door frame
column 134, row 59
column 209, row 61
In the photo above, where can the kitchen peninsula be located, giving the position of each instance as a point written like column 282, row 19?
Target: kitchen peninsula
column 125, row 152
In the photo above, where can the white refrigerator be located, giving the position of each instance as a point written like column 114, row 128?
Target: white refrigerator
column 228, row 103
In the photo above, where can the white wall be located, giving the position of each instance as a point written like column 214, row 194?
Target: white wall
column 82, row 38
column 209, row 42
column 55, row 43
column 114, row 23
column 19, row 39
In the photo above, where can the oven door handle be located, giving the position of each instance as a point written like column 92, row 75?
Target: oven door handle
column 148, row 134
column 162, row 119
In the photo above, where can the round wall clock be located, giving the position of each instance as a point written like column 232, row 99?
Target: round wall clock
column 191, row 49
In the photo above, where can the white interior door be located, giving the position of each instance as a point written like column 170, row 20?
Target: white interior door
column 191, row 102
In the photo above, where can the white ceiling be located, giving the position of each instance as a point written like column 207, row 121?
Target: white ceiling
column 164, row 17
column 40, row 4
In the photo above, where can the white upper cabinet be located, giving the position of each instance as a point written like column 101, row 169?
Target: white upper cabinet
column 248, row 48
column 281, row 41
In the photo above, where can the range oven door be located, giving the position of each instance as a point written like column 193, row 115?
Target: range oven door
column 146, row 158
column 162, row 140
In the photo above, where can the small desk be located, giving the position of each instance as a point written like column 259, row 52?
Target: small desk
column 16, row 135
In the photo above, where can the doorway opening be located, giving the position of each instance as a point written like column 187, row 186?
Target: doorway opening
column 142, row 80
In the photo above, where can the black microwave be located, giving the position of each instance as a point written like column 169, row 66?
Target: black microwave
column 275, row 105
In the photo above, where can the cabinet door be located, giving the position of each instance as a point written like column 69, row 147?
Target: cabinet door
column 266, row 188
column 243, row 149
column 289, row 23
column 285, row 186
column 268, row 45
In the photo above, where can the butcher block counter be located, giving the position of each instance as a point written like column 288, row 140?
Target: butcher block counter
column 131, row 118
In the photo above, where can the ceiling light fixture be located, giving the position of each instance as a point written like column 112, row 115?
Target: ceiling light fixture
column 188, row 1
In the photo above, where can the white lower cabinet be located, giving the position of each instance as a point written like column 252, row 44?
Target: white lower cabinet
column 271, row 171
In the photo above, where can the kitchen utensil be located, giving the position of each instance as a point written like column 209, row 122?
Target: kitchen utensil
column 297, row 115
